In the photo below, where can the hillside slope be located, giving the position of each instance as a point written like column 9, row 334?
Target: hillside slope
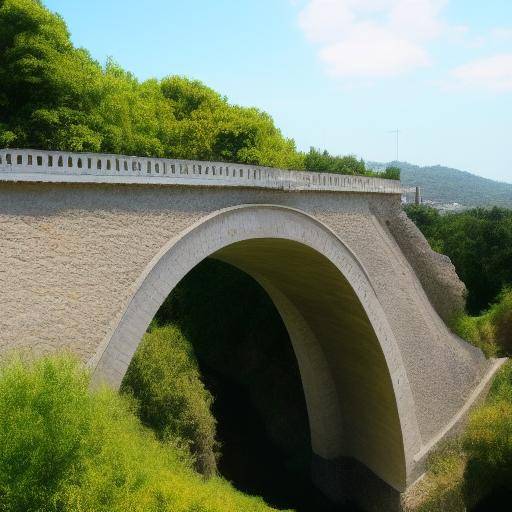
column 446, row 185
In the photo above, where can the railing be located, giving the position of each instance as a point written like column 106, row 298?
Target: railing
column 60, row 166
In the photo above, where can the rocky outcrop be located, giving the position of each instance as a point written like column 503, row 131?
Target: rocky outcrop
column 436, row 273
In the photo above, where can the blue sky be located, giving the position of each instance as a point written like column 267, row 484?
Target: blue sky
column 335, row 74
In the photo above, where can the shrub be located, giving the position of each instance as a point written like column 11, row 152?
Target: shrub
column 164, row 377
column 479, row 331
column 66, row 449
column 502, row 317
column 501, row 388
column 488, row 444
column 476, row 470
column 44, row 423
column 492, row 330
column 391, row 173
column 252, row 352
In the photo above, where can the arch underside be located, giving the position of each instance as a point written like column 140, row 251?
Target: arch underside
column 356, row 389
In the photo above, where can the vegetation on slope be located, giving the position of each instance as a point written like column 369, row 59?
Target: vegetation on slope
column 475, row 471
column 164, row 378
column 245, row 355
column 492, row 330
column 55, row 96
column 251, row 348
column 479, row 244
column 447, row 185
column 66, row 448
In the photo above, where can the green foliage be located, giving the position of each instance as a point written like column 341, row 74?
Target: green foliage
column 442, row 488
column 492, row 330
column 64, row 448
column 501, row 388
column 391, row 173
column 164, row 378
column 488, row 442
column 252, row 351
column 475, row 470
column 54, row 96
column 322, row 161
column 446, row 185
column 43, row 425
column 479, row 244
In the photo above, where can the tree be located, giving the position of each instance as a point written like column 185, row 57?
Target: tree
column 322, row 161
column 55, row 96
column 391, row 173
column 479, row 243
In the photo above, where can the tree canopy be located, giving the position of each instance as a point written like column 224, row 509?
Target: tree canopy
column 55, row 96
column 479, row 243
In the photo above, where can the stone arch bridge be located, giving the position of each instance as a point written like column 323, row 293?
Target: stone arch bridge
column 91, row 245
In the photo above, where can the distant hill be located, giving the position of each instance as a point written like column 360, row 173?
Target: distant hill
column 445, row 185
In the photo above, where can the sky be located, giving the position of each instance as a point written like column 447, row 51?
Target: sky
column 340, row 75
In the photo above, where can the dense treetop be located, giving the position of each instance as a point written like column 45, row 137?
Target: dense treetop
column 479, row 243
column 55, row 96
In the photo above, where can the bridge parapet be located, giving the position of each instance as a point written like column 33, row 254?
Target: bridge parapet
column 59, row 166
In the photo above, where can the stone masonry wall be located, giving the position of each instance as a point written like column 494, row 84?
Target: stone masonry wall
column 71, row 255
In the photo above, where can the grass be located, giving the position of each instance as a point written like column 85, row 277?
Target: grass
column 441, row 489
column 477, row 467
column 66, row 448
column 492, row 330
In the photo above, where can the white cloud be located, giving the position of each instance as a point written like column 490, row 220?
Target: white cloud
column 372, row 51
column 368, row 38
column 492, row 74
column 502, row 33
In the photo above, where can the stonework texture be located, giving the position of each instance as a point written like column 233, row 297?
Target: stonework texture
column 76, row 259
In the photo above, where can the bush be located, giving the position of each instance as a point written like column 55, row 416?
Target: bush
column 45, row 420
column 475, row 471
column 488, row 444
column 502, row 318
column 252, row 352
column 64, row 448
column 492, row 330
column 164, row 377
column 479, row 331
column 479, row 244
column 391, row 173
column 501, row 388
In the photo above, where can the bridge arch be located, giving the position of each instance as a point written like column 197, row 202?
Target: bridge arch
column 358, row 396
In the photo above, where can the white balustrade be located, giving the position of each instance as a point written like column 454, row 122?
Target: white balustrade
column 61, row 166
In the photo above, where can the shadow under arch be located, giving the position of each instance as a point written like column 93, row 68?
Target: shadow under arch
column 359, row 401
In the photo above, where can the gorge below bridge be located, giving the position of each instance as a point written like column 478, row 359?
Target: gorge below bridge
column 91, row 245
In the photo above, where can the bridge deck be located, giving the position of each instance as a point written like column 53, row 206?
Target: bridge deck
column 64, row 167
